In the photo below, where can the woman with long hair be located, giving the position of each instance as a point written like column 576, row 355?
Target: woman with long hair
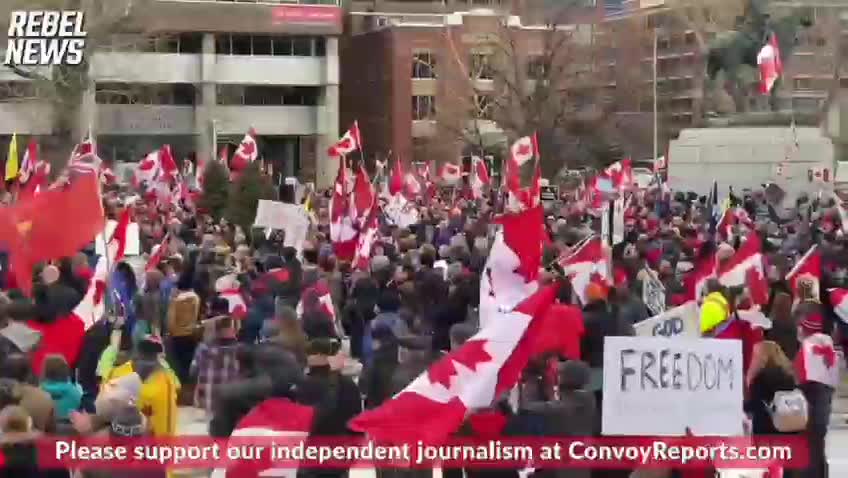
column 770, row 372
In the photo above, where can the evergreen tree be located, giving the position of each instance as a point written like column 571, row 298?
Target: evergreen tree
column 216, row 189
column 251, row 186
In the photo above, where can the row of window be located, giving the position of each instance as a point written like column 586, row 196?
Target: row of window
column 186, row 94
column 479, row 68
column 424, row 107
column 225, row 44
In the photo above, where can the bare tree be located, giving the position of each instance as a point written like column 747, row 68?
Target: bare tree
column 553, row 80
column 106, row 23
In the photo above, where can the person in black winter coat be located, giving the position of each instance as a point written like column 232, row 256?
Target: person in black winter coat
column 335, row 397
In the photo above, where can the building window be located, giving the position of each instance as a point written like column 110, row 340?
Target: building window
column 481, row 68
column 179, row 94
column 11, row 91
column 265, row 45
column 806, row 104
column 242, row 95
column 843, row 82
column 803, row 83
column 536, row 67
column 689, row 38
column 188, row 43
column 483, row 106
column 423, row 107
column 423, row 65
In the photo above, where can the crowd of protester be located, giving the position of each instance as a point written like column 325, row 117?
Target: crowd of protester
column 170, row 339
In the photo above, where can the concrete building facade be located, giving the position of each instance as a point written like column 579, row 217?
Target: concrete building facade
column 202, row 73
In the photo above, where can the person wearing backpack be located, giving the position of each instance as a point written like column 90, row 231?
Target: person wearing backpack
column 817, row 368
column 770, row 375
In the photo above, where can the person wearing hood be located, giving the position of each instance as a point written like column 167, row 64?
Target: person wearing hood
column 56, row 381
column 381, row 347
column 127, row 422
column 15, row 335
column 18, row 445
column 183, row 317
column 158, row 395
column 215, row 362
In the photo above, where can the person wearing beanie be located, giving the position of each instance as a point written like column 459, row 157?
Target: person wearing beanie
column 600, row 321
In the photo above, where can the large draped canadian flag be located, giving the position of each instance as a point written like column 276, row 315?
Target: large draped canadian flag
column 487, row 366
column 473, row 376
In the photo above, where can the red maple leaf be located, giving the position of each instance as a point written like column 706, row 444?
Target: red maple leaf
column 827, row 354
column 469, row 355
column 248, row 148
column 523, row 149
column 344, row 143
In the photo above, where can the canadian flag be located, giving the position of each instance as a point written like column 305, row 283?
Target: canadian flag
column 318, row 297
column 27, row 168
column 92, row 306
column 620, row 174
column 471, row 377
column 149, row 169
column 350, row 142
column 771, row 66
column 167, row 162
column 809, row 267
column 450, row 173
column 746, row 268
column 343, row 232
column 817, row 361
column 158, row 253
column 363, row 195
column 589, row 263
column 397, row 180
column 84, row 148
column 479, row 177
column 246, row 153
column 411, row 186
column 839, row 300
column 731, row 217
column 34, row 174
column 522, row 151
column 696, row 282
column 366, row 240
column 275, row 417
column 513, row 264
column 237, row 304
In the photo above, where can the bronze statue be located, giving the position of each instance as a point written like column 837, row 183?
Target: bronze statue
column 730, row 50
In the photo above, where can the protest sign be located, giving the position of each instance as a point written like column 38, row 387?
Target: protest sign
column 680, row 321
column 291, row 218
column 653, row 293
column 133, row 247
column 660, row 386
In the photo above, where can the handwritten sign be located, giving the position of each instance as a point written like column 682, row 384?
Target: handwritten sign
column 291, row 218
column 680, row 321
column 660, row 387
column 653, row 293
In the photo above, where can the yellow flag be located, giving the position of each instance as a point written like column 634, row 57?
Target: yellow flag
column 12, row 159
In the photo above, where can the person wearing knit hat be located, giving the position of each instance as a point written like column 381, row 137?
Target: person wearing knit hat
column 596, row 292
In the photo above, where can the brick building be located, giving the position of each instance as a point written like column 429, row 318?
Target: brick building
column 404, row 106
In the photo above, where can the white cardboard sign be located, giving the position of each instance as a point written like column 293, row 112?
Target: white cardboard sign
column 291, row 218
column 681, row 321
column 661, row 387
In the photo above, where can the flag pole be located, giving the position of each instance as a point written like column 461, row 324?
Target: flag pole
column 656, row 112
